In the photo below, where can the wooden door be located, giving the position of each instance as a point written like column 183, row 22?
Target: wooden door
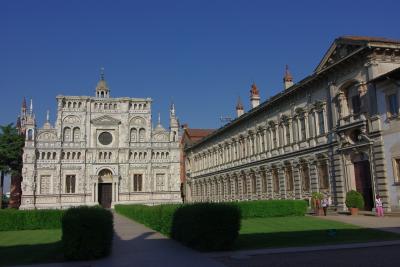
column 105, row 195
column 363, row 182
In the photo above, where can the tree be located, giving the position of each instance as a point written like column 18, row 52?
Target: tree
column 11, row 144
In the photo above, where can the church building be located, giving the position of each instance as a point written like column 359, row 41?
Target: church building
column 101, row 150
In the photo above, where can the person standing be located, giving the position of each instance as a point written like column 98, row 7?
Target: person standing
column 379, row 206
column 325, row 204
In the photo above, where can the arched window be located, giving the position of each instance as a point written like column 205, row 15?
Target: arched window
column 305, row 176
column 54, row 155
column 68, row 155
column 133, row 135
column 323, row 175
column 43, row 155
column 79, row 155
column 244, row 185
column 30, row 134
column 142, row 133
column 275, row 179
column 77, row 134
column 48, row 155
column 254, row 184
column 67, row 134
column 289, row 178
column 73, row 155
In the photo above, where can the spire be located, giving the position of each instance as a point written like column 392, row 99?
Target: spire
column 287, row 78
column 47, row 124
column 172, row 109
column 159, row 119
column 31, row 107
column 102, row 73
column 24, row 103
column 48, row 116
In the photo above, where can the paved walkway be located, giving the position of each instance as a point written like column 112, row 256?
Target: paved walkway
column 390, row 224
column 137, row 245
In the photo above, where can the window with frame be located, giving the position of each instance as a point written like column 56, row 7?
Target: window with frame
column 45, row 184
column 305, row 175
column 323, row 175
column 287, row 132
column 289, row 178
column 244, row 185
column 392, row 105
column 274, row 138
column 275, row 179
column 356, row 104
column 160, row 177
column 303, row 128
column 137, row 182
column 396, row 170
column 70, row 184
column 321, row 122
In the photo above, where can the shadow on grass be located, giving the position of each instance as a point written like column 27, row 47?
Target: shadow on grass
column 28, row 254
column 311, row 238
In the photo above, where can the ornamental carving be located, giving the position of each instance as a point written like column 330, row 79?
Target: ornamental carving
column 137, row 121
column 71, row 119
column 47, row 136
column 160, row 137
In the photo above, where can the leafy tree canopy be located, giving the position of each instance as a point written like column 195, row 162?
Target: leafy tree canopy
column 11, row 144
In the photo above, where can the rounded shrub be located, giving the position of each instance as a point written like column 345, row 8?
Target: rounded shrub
column 207, row 226
column 354, row 200
column 87, row 233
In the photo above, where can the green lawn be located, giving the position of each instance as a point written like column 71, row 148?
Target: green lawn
column 302, row 231
column 30, row 246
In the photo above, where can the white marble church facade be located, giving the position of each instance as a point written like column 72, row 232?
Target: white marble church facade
column 101, row 150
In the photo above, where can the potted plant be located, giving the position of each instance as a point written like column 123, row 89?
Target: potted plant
column 354, row 201
column 316, row 198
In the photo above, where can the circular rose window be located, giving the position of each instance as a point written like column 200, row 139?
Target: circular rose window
column 105, row 138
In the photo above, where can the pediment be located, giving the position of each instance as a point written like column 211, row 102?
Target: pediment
column 340, row 49
column 105, row 120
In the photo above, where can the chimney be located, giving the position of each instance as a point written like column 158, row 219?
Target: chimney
column 254, row 96
column 287, row 79
column 239, row 108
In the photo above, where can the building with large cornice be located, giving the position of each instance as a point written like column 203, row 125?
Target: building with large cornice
column 336, row 130
column 101, row 150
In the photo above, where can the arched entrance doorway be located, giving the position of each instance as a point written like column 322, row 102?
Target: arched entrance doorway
column 105, row 188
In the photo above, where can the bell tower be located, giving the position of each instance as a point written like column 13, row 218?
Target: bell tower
column 102, row 90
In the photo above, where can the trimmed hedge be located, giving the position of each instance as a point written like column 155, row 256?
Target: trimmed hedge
column 87, row 233
column 272, row 208
column 11, row 219
column 158, row 218
column 207, row 226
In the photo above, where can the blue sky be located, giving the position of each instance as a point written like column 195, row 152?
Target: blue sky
column 200, row 54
